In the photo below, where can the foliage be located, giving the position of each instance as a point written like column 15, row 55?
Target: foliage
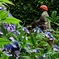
column 33, row 45
column 29, row 11
column 4, row 17
column 54, row 18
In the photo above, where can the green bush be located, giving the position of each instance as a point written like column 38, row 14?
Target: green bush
column 28, row 10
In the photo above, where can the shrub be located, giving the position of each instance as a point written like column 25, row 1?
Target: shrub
column 28, row 11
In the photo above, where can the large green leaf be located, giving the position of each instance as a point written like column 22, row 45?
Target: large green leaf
column 4, row 41
column 6, row 1
column 11, row 20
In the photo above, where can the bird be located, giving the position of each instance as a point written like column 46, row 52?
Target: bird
column 43, row 22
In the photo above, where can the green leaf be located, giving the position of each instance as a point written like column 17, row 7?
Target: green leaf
column 54, row 14
column 33, row 40
column 43, row 43
column 3, row 30
column 4, row 41
column 12, row 35
column 3, row 14
column 11, row 20
column 26, row 57
column 5, row 56
column 24, row 41
column 40, row 36
column 53, row 17
column 56, row 23
column 49, row 18
column 6, row 1
column 57, row 18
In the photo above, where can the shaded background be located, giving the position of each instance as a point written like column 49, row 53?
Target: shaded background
column 29, row 11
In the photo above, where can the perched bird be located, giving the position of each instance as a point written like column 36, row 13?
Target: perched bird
column 44, row 14
column 42, row 22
